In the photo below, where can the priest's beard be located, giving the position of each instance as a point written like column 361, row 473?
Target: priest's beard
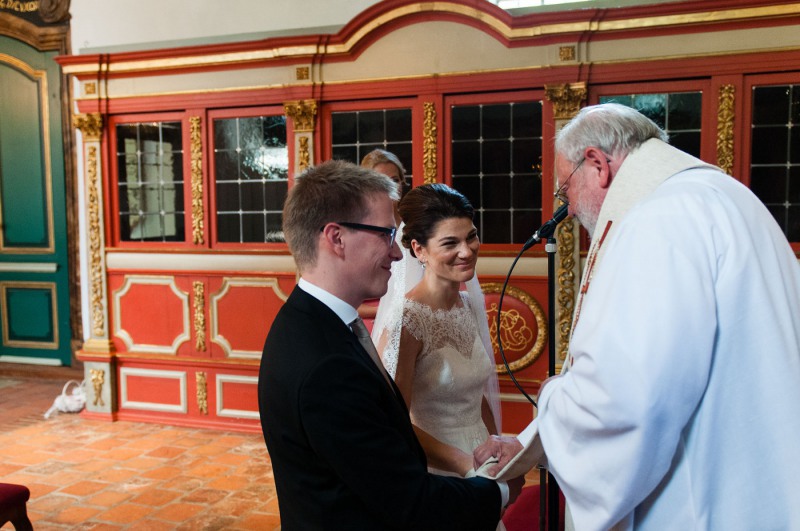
column 587, row 215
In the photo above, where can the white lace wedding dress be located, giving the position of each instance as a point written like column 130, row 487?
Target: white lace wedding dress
column 450, row 374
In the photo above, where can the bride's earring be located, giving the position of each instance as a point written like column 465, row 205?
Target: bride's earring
column 422, row 263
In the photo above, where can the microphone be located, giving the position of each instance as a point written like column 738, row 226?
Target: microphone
column 547, row 230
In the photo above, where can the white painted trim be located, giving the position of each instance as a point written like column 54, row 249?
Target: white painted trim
column 31, row 361
column 28, row 267
column 235, row 413
column 124, row 372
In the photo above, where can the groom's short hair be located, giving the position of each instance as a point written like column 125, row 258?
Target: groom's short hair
column 332, row 191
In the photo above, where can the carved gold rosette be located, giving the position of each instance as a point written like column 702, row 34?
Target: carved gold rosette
column 429, row 160
column 566, row 99
column 725, row 122
column 198, row 305
column 202, row 392
column 196, row 147
column 514, row 331
column 303, row 113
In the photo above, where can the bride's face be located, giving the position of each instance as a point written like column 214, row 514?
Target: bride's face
column 452, row 250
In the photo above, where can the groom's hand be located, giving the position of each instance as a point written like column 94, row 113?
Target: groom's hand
column 499, row 447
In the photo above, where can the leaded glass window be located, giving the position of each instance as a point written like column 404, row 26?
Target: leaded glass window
column 678, row 113
column 150, row 185
column 251, row 161
column 356, row 133
column 496, row 153
column 775, row 159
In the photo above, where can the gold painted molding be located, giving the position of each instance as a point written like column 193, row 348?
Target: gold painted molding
column 566, row 98
column 202, row 392
column 725, row 131
column 198, row 305
column 508, row 329
column 497, row 25
column 429, row 148
column 50, row 287
column 90, row 124
column 303, row 114
column 196, row 148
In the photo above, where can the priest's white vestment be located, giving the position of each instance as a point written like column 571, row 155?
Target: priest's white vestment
column 681, row 406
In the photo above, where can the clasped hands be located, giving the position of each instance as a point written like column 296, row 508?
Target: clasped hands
column 493, row 455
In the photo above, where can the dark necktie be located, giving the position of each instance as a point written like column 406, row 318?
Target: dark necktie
column 360, row 330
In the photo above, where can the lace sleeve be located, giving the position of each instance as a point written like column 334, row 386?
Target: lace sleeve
column 413, row 321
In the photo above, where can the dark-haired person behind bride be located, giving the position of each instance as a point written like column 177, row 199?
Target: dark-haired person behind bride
column 433, row 337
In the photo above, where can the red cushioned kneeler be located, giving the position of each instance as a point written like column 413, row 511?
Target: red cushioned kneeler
column 12, row 506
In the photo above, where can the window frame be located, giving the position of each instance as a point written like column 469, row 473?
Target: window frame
column 547, row 176
column 114, row 222
column 745, row 129
column 210, row 177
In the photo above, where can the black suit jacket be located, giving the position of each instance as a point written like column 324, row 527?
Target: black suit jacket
column 343, row 450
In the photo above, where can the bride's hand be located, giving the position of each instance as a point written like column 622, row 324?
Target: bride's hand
column 502, row 448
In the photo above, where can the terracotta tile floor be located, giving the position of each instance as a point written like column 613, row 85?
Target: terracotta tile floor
column 87, row 474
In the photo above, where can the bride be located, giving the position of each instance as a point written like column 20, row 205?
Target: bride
column 433, row 337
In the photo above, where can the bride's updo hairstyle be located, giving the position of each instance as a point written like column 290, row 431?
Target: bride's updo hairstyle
column 423, row 207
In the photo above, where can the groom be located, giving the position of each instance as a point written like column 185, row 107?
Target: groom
column 343, row 450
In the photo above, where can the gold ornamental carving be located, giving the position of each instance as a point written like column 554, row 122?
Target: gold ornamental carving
column 567, row 53
column 514, row 330
column 95, row 244
column 566, row 99
column 429, row 160
column 90, row 124
column 303, row 114
column 303, row 155
column 302, row 73
column 196, row 149
column 565, row 297
column 202, row 392
column 199, row 304
column 98, row 379
column 725, row 122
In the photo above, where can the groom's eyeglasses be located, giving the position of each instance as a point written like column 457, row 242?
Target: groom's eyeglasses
column 389, row 232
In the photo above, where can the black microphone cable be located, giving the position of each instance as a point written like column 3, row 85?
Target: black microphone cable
column 545, row 231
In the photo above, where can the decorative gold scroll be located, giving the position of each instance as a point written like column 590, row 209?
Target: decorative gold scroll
column 566, row 285
column 95, row 245
column 199, row 304
column 90, row 124
column 303, row 113
column 725, row 120
column 196, row 147
column 98, row 379
column 303, row 155
column 566, row 98
column 202, row 392
column 429, row 159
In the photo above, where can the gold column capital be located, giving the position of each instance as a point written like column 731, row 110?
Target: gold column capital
column 303, row 113
column 566, row 98
column 90, row 124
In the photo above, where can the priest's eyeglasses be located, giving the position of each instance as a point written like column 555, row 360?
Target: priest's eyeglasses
column 561, row 193
column 390, row 232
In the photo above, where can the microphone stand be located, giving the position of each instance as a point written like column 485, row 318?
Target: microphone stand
column 548, row 487
column 545, row 478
